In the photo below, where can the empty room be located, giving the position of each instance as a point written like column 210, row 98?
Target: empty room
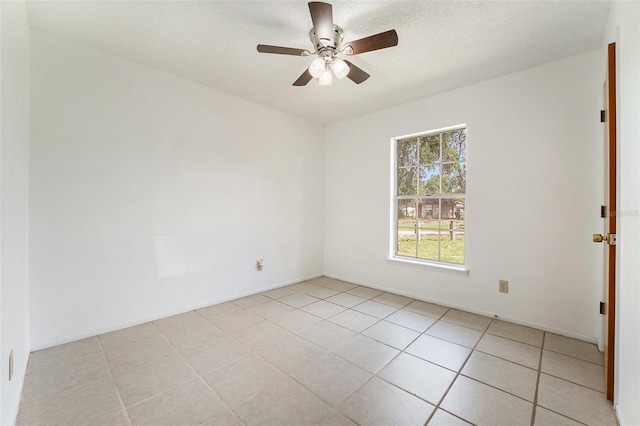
column 319, row 213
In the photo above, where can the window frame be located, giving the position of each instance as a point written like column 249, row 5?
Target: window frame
column 393, row 223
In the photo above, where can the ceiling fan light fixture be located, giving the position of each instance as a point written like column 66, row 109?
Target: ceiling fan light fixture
column 317, row 67
column 326, row 78
column 340, row 68
column 326, row 38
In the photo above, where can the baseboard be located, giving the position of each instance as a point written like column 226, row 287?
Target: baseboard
column 589, row 339
column 16, row 409
column 178, row 311
column 618, row 414
column 182, row 310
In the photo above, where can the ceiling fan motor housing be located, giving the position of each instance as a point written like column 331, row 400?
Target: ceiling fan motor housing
column 326, row 47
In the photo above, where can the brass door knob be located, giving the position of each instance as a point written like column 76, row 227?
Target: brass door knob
column 598, row 238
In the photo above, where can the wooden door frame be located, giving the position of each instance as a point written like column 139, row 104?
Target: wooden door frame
column 610, row 227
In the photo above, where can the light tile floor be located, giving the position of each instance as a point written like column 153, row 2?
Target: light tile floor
column 320, row 352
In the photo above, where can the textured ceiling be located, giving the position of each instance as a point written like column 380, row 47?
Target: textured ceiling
column 442, row 45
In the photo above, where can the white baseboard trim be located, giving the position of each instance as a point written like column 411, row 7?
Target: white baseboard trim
column 589, row 339
column 618, row 413
column 23, row 375
column 178, row 311
column 181, row 310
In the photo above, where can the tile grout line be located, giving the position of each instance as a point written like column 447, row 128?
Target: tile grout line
column 39, row 371
column 507, row 359
column 573, row 357
column 448, row 412
column 441, row 317
column 379, row 320
column 535, row 395
column 255, row 353
column 542, row 350
column 198, row 376
column 566, row 417
column 152, row 396
column 367, row 299
column 115, row 383
column 572, row 382
column 401, row 351
column 373, row 375
column 271, row 320
column 533, row 416
column 566, row 379
column 459, row 372
column 512, row 362
column 177, row 352
column 497, row 388
column 103, row 353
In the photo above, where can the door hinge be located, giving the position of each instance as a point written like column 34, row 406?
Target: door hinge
column 603, row 116
column 603, row 308
column 603, row 211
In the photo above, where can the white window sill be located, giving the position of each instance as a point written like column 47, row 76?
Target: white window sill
column 425, row 263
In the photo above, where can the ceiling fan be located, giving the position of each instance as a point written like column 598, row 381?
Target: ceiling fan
column 326, row 38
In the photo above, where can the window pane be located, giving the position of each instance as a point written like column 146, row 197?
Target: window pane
column 454, row 146
column 406, row 228
column 428, row 247
column 406, row 210
column 407, row 181
column 452, row 208
column 454, row 178
column 429, row 180
column 430, row 149
column 452, row 251
column 428, row 223
column 452, row 230
column 428, row 211
column 408, row 152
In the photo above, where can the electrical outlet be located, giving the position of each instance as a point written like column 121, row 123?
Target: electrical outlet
column 503, row 286
column 259, row 265
column 11, row 365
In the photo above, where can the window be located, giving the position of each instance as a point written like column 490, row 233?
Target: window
column 430, row 186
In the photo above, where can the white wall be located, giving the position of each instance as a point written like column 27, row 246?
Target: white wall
column 14, row 174
column 534, row 190
column 623, row 27
column 152, row 195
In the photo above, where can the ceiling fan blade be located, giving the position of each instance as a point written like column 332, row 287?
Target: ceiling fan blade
column 264, row 48
column 303, row 79
column 374, row 42
column 356, row 74
column 322, row 18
